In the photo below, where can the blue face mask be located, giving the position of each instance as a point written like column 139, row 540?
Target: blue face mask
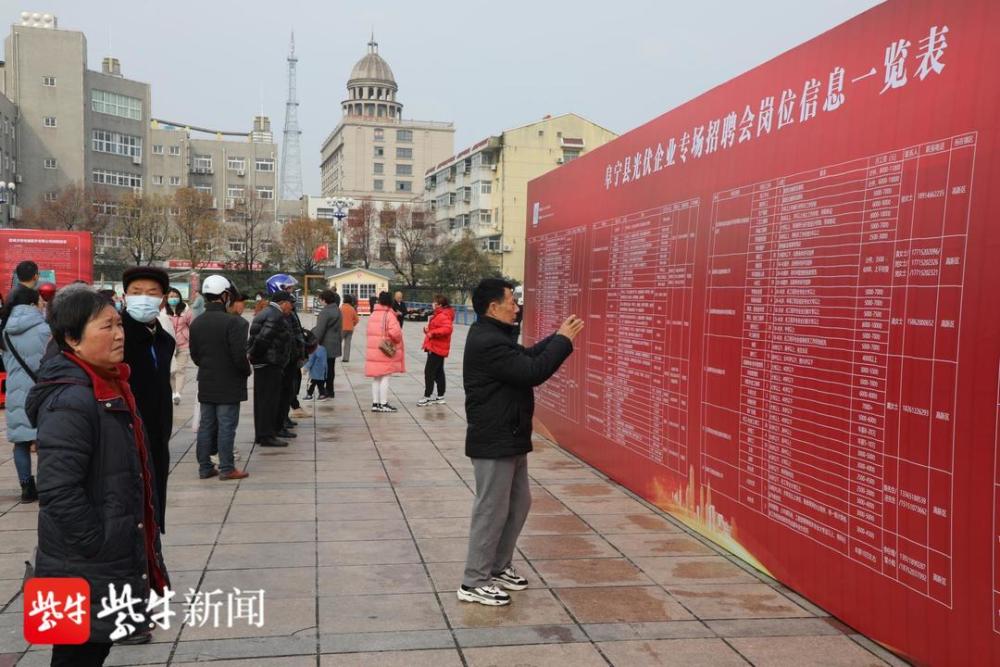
column 142, row 308
column 174, row 301
column 118, row 306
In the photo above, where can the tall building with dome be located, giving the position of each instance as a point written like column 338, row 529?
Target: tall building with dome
column 374, row 152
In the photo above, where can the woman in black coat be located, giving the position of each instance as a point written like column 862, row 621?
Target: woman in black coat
column 97, row 514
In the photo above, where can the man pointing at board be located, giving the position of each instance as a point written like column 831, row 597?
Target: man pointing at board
column 499, row 377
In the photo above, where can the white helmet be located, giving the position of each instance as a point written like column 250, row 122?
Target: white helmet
column 215, row 285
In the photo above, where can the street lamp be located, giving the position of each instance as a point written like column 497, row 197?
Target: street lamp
column 7, row 197
column 340, row 207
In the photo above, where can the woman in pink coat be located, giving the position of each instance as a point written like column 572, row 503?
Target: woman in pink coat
column 383, row 325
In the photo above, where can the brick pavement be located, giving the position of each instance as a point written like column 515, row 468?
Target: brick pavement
column 357, row 532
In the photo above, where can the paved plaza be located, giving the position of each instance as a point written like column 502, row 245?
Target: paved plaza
column 357, row 532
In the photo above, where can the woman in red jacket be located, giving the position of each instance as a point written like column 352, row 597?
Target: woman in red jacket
column 437, row 345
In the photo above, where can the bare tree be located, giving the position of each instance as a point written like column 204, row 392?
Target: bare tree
column 361, row 233
column 143, row 224
column 462, row 266
column 76, row 207
column 300, row 238
column 413, row 243
column 197, row 227
column 251, row 224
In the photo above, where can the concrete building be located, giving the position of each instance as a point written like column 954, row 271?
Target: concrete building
column 9, row 209
column 374, row 152
column 73, row 124
column 482, row 190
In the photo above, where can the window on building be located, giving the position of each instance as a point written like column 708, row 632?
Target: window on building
column 378, row 184
column 379, row 151
column 157, row 149
column 404, row 186
column 106, row 207
column 264, row 164
column 202, row 163
column 236, row 164
column 379, row 134
column 157, row 179
column 379, row 168
column 50, row 163
column 103, row 101
column 404, row 170
column 175, row 180
column 485, row 188
column 485, row 217
column 265, row 193
column 386, row 252
column 49, row 121
column 120, row 179
column 404, row 153
column 235, row 192
column 51, row 196
column 404, row 135
column 570, row 154
column 49, row 81
column 175, row 150
column 116, row 143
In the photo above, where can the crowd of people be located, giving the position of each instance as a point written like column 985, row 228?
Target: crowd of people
column 93, row 378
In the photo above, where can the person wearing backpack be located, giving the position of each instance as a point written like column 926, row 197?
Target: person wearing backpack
column 25, row 337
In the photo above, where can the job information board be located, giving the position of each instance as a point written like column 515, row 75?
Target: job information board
column 791, row 288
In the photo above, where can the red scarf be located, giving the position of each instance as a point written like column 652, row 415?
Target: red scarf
column 112, row 385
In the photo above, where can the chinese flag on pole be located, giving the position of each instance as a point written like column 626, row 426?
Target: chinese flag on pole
column 321, row 253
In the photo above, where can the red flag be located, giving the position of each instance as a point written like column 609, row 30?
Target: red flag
column 321, row 252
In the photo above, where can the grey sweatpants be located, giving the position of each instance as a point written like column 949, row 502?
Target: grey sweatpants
column 503, row 499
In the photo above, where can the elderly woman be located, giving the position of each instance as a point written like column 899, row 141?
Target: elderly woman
column 95, row 481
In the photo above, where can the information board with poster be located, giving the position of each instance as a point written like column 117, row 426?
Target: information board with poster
column 62, row 256
column 792, row 339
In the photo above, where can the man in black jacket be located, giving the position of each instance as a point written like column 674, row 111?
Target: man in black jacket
column 499, row 377
column 218, row 346
column 148, row 351
column 270, row 348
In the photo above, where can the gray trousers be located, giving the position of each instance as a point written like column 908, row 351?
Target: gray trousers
column 345, row 344
column 503, row 499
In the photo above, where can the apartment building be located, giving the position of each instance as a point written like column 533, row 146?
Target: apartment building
column 482, row 190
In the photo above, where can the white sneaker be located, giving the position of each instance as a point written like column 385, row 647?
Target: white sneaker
column 490, row 596
column 425, row 401
column 510, row 580
column 440, row 400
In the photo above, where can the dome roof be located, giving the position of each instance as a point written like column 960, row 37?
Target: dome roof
column 372, row 67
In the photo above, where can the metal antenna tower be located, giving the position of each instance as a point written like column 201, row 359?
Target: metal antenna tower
column 291, row 162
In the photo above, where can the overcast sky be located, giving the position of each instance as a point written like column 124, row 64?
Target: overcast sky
column 484, row 66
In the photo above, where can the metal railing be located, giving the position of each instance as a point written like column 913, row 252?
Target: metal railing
column 463, row 314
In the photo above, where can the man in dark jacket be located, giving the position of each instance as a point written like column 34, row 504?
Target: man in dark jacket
column 499, row 377
column 218, row 347
column 399, row 307
column 148, row 351
column 270, row 348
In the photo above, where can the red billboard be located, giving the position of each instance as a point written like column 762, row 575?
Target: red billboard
column 792, row 338
column 62, row 257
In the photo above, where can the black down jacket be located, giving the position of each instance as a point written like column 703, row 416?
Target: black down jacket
column 148, row 352
column 499, row 377
column 90, row 488
column 218, row 348
column 270, row 338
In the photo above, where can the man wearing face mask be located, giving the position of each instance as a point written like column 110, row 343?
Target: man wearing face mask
column 148, row 351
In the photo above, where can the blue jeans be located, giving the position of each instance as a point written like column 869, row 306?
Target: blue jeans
column 22, row 460
column 218, row 423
